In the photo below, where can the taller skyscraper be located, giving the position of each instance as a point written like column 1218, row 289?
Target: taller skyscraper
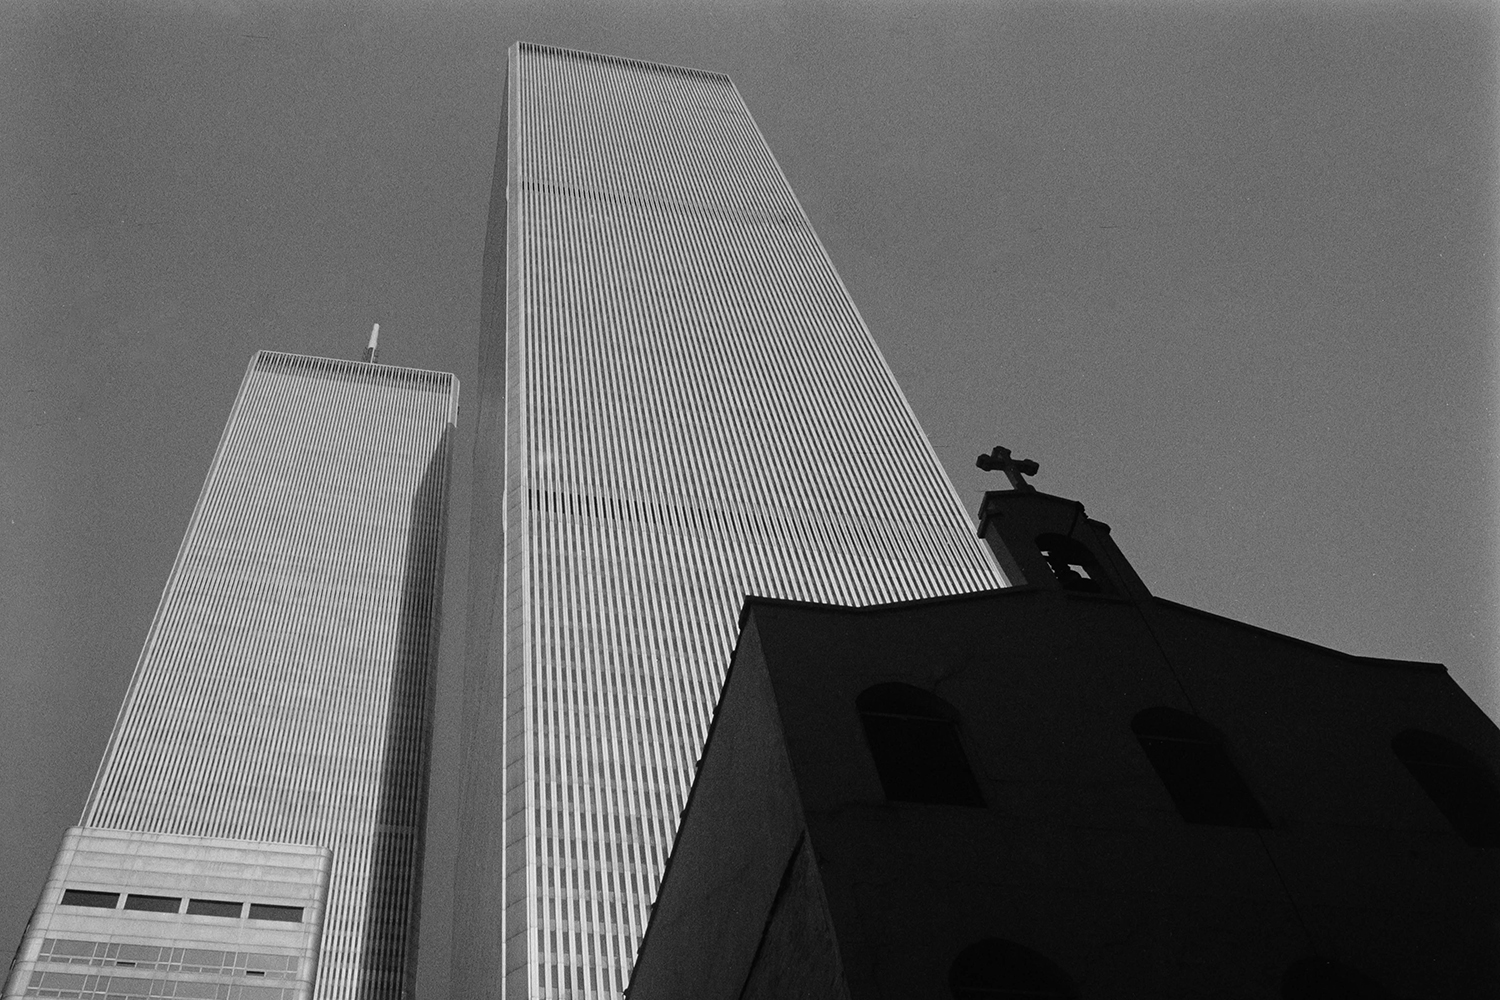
column 256, row 823
column 679, row 406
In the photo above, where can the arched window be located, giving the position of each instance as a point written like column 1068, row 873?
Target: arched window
column 1073, row 564
column 1190, row 758
column 913, row 736
column 993, row 968
column 1322, row 979
column 1457, row 781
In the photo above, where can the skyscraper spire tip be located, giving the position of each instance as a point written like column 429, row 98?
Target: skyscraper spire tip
column 370, row 350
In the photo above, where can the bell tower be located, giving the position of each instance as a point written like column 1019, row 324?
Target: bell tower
column 1042, row 540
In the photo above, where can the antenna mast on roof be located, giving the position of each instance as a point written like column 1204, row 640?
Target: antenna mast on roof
column 370, row 350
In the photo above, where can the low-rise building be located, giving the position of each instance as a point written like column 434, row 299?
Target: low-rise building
column 1072, row 788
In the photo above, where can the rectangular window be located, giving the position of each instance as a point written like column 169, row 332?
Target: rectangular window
column 265, row 911
column 260, row 993
column 274, row 963
column 153, row 904
column 64, row 947
column 215, row 908
column 127, row 986
column 57, row 981
column 85, row 897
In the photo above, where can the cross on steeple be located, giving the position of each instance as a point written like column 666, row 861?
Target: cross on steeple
column 1014, row 468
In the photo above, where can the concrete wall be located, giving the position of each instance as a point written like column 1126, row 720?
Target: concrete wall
column 798, row 958
column 78, row 951
column 741, row 827
column 1080, row 853
column 1376, row 869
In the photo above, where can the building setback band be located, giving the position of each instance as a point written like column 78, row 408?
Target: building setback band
column 283, row 697
column 680, row 406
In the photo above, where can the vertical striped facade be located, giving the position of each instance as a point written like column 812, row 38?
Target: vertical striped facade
column 680, row 406
column 284, row 694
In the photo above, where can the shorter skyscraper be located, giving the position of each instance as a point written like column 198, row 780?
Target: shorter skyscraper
column 255, row 828
column 1073, row 788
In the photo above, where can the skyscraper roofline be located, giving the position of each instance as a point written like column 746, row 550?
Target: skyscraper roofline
column 398, row 371
column 621, row 60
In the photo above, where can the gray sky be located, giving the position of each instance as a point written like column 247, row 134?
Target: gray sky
column 1227, row 271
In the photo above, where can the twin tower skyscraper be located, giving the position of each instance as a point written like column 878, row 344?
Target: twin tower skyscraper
column 678, row 406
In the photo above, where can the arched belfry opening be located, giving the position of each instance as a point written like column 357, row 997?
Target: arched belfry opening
column 1073, row 564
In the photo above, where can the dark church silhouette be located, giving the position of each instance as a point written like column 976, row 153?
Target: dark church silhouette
column 1072, row 788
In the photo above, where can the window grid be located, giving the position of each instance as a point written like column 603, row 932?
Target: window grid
column 69, row 951
column 694, row 412
column 304, row 594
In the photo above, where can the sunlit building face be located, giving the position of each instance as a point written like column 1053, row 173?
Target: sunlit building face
column 255, row 829
column 680, row 406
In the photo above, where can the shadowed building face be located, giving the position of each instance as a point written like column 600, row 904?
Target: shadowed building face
column 1045, row 791
column 677, row 395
